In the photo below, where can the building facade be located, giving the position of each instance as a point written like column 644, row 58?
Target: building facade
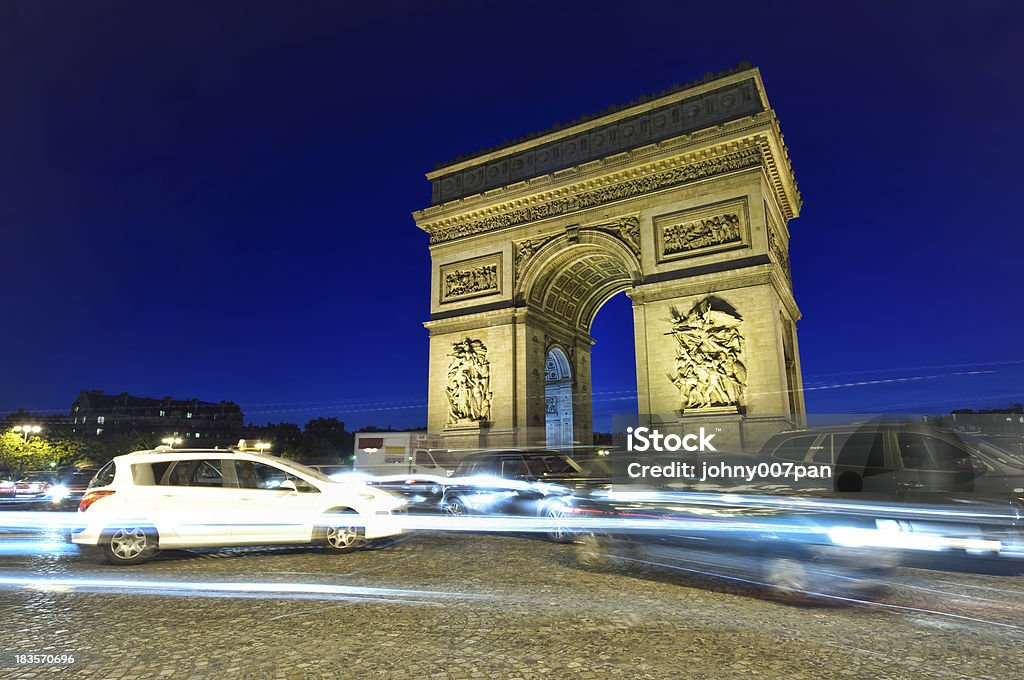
column 197, row 423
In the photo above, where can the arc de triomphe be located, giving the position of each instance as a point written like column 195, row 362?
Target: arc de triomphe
column 683, row 201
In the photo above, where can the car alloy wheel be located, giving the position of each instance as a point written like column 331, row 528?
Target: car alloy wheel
column 342, row 532
column 456, row 507
column 558, row 531
column 130, row 545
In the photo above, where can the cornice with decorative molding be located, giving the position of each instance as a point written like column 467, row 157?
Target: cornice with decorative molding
column 619, row 186
column 699, row 144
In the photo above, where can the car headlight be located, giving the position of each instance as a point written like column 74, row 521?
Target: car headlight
column 57, row 492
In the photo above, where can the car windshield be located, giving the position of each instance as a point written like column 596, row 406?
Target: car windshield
column 302, row 469
column 330, row 469
column 597, row 467
column 37, row 477
column 79, row 477
column 554, row 465
column 1002, row 455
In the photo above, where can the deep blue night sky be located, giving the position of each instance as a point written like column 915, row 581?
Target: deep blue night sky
column 213, row 199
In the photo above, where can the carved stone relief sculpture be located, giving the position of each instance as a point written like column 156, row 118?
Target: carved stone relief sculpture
column 524, row 251
column 471, row 278
column 703, row 230
column 778, row 252
column 627, row 229
column 709, row 371
column 469, row 383
column 712, row 231
column 472, row 281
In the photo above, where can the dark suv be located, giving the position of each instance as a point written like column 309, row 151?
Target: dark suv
column 903, row 458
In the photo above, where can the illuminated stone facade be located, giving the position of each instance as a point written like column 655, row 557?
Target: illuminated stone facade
column 682, row 201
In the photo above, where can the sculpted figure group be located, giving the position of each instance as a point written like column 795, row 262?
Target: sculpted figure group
column 469, row 281
column 708, row 368
column 469, row 383
column 710, row 232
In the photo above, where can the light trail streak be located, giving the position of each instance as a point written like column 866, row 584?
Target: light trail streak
column 255, row 589
column 26, row 547
column 828, row 596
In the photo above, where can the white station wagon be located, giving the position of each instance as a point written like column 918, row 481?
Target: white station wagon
column 188, row 498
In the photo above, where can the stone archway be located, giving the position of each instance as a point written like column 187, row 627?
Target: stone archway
column 565, row 279
column 682, row 201
column 558, row 399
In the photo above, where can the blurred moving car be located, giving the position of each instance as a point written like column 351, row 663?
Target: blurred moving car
column 7, row 491
column 518, row 482
column 937, row 489
column 186, row 498
column 46, row 489
column 423, row 492
column 790, row 550
column 415, row 461
column 31, row 491
column 69, row 486
column 903, row 458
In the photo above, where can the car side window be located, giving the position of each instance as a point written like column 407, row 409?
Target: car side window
column 823, row 454
column 794, row 448
column 538, row 466
column 181, row 474
column 555, row 465
column 914, row 451
column 863, row 449
column 487, row 466
column 105, row 477
column 514, row 467
column 253, row 475
column 205, row 473
column 948, row 457
column 159, row 471
column 208, row 473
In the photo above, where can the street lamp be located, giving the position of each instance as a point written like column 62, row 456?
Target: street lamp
column 262, row 446
column 171, row 441
column 27, row 430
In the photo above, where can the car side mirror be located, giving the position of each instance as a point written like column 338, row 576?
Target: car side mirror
column 287, row 485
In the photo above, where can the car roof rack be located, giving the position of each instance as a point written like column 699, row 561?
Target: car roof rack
column 164, row 448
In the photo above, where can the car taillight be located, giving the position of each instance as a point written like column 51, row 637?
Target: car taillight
column 91, row 497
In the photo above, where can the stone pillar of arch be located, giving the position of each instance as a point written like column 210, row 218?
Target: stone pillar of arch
column 682, row 201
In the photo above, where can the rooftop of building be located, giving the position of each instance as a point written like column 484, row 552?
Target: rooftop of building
column 99, row 399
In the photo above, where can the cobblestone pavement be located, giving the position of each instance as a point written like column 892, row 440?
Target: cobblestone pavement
column 482, row 606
